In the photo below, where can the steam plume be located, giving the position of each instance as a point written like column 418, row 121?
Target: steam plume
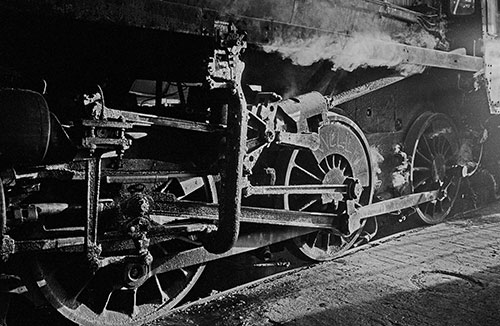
column 361, row 49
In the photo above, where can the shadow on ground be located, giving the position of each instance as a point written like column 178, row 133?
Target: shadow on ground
column 452, row 300
column 470, row 300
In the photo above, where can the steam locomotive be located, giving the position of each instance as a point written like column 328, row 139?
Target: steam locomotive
column 140, row 140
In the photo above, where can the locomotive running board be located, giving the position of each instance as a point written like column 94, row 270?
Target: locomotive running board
column 203, row 211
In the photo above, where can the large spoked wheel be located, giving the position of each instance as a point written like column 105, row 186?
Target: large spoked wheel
column 124, row 293
column 434, row 144
column 343, row 153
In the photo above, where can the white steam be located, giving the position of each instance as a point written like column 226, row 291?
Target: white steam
column 361, row 49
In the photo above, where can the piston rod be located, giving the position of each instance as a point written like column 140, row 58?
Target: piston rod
column 296, row 189
column 196, row 210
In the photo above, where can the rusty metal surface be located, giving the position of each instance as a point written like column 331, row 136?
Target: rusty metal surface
column 390, row 205
column 432, row 58
column 142, row 119
column 296, row 189
column 303, row 107
column 310, row 141
column 359, row 91
column 284, row 26
column 93, row 176
column 4, row 248
column 231, row 178
column 245, row 243
column 112, row 242
column 265, row 18
column 183, row 210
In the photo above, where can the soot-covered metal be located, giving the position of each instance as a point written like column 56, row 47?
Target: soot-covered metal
column 140, row 140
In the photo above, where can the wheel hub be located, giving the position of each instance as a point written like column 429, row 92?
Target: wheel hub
column 334, row 176
column 135, row 275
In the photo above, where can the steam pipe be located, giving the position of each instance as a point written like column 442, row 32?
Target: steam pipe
column 228, row 228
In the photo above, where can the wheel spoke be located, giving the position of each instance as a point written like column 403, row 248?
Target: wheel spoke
column 446, row 150
column 309, row 204
column 435, row 144
column 315, row 239
column 329, row 165
column 421, row 183
column 321, row 169
column 336, row 161
column 163, row 295
column 134, row 307
column 329, row 242
column 428, row 160
column 444, row 146
column 79, row 291
column 433, row 206
column 325, row 239
column 441, row 208
column 307, row 172
column 107, row 298
column 428, row 146
column 427, row 207
column 421, row 169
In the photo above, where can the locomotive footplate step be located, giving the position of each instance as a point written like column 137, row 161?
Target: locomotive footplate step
column 446, row 274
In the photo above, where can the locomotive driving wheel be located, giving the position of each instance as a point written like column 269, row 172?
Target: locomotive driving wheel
column 125, row 293
column 343, row 154
column 434, row 144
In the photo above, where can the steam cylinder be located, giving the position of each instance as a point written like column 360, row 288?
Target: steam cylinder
column 25, row 125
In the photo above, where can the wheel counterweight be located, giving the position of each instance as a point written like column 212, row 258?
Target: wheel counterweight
column 343, row 154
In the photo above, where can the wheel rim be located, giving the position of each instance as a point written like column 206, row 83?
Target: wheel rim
column 104, row 298
column 331, row 164
column 434, row 144
column 89, row 299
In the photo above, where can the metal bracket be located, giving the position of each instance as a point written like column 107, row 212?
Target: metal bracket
column 94, row 141
column 303, row 140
